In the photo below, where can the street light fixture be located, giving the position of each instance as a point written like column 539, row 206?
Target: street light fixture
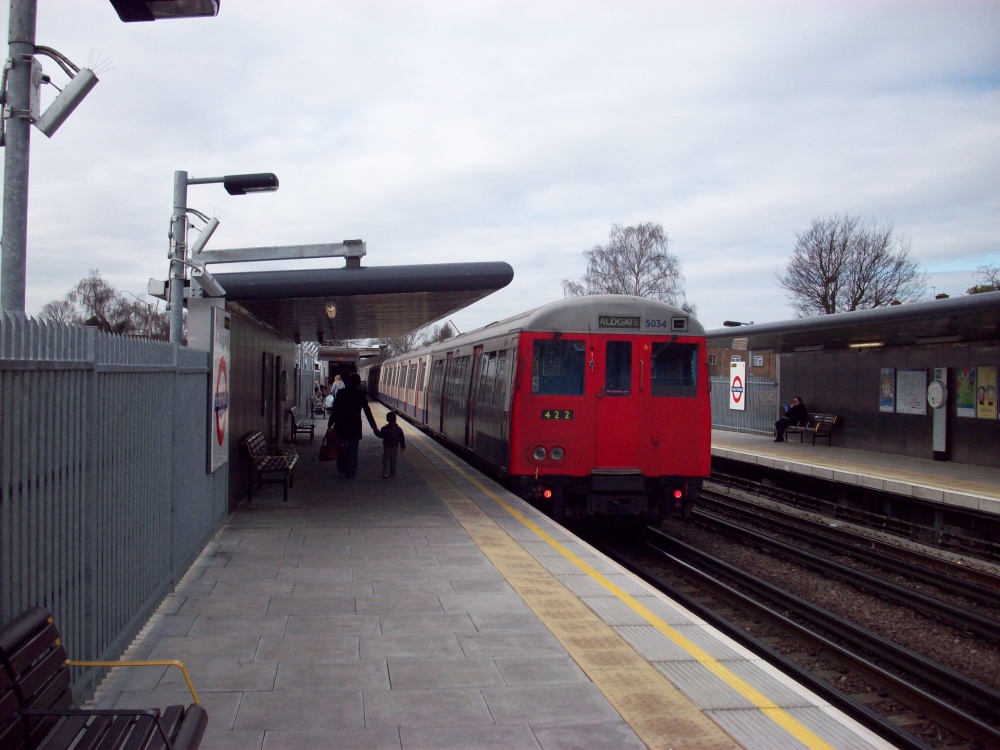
column 734, row 323
column 238, row 184
column 150, row 10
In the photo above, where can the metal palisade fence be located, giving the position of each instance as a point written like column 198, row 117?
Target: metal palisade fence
column 105, row 498
column 761, row 406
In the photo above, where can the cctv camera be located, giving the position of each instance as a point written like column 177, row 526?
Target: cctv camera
column 206, row 233
column 68, row 100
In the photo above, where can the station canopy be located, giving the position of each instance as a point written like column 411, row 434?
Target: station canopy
column 330, row 304
column 972, row 318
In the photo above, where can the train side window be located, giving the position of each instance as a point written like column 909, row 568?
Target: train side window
column 674, row 369
column 501, row 378
column 618, row 368
column 487, row 376
column 557, row 367
column 437, row 376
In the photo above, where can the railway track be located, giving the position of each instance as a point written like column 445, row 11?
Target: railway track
column 962, row 617
column 953, row 575
column 903, row 696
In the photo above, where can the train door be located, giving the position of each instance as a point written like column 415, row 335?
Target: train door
column 470, row 425
column 617, row 433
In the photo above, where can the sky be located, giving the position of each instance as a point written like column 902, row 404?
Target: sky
column 440, row 131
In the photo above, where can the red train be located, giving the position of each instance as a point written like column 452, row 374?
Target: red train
column 589, row 406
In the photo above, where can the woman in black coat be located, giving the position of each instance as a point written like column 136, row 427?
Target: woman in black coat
column 797, row 414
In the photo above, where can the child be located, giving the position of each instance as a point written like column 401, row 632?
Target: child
column 393, row 441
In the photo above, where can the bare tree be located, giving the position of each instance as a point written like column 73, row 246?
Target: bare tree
column 635, row 261
column 396, row 345
column 989, row 276
column 841, row 264
column 60, row 311
column 95, row 302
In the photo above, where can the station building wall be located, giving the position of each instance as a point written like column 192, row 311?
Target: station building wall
column 262, row 387
column 846, row 382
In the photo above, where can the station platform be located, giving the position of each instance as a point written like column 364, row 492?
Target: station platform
column 437, row 610
column 944, row 482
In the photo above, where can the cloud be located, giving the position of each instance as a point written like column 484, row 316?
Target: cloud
column 520, row 131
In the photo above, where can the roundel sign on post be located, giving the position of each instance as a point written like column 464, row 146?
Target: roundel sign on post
column 218, row 405
column 737, row 385
column 221, row 402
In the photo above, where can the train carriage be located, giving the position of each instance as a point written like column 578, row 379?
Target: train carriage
column 589, row 406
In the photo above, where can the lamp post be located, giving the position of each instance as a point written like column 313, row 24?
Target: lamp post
column 13, row 264
column 19, row 97
column 239, row 184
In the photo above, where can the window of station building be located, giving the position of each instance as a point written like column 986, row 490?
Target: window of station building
column 674, row 369
column 713, row 359
column 557, row 367
column 618, row 368
column 758, row 360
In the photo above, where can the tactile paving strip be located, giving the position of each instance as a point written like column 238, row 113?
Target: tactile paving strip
column 550, row 547
column 657, row 712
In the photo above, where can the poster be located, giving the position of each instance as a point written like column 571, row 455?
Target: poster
column 887, row 390
column 965, row 396
column 911, row 391
column 986, row 392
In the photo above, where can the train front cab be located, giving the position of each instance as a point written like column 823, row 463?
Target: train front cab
column 611, row 424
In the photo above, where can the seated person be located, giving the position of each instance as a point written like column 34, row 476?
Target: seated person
column 797, row 414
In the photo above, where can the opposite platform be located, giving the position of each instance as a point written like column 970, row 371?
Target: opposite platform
column 945, row 482
column 436, row 610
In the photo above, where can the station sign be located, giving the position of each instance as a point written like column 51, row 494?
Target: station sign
column 737, row 385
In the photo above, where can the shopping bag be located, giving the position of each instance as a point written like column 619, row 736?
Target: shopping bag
column 328, row 450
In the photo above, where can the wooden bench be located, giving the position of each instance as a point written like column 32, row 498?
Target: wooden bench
column 819, row 427
column 301, row 425
column 37, row 707
column 269, row 459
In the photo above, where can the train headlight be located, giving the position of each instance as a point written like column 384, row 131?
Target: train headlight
column 557, row 454
column 539, row 453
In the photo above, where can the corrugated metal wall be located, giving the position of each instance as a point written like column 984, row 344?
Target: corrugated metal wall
column 761, row 411
column 104, row 495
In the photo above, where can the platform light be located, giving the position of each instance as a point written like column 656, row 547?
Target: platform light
column 241, row 184
column 866, row 345
column 131, row 11
column 331, row 309
column 735, row 323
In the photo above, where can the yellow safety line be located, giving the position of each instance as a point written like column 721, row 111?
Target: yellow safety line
column 774, row 712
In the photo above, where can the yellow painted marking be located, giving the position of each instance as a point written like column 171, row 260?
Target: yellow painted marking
column 774, row 712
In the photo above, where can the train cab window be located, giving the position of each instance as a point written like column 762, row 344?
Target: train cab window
column 618, row 368
column 557, row 367
column 675, row 369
